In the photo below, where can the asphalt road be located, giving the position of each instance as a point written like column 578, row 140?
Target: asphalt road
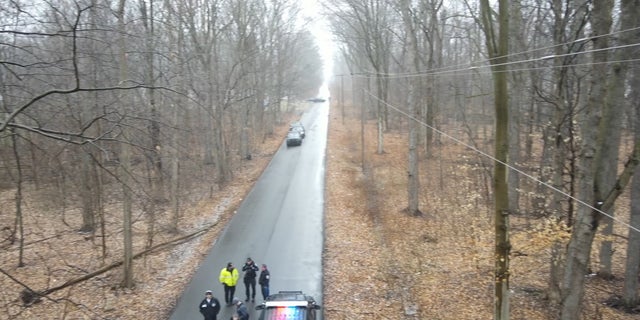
column 279, row 223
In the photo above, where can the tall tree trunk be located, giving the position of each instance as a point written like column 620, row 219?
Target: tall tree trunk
column 413, row 168
column 245, row 152
column 210, row 131
column 87, row 191
column 19, row 221
column 611, row 119
column 630, row 10
column 587, row 219
column 223, row 171
column 360, row 92
column 97, row 158
column 380, row 114
column 632, row 266
column 434, row 60
column 176, row 41
column 561, row 132
column 125, row 162
column 153, row 151
column 222, row 166
column 498, row 48
column 519, row 85
column 86, row 172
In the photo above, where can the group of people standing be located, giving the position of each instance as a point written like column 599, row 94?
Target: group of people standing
column 229, row 275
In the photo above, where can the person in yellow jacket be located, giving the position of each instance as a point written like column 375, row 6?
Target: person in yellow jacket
column 229, row 277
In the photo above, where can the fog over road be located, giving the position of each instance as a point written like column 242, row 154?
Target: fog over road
column 279, row 223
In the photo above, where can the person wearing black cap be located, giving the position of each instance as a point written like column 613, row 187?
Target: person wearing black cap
column 229, row 279
column 210, row 306
column 241, row 309
column 250, row 274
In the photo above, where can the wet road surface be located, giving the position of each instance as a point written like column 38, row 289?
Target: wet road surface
column 280, row 224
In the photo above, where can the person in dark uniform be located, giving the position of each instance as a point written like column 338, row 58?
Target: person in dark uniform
column 210, row 306
column 264, row 281
column 241, row 309
column 250, row 272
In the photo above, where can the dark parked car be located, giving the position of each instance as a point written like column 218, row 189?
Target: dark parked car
column 293, row 139
column 288, row 305
column 297, row 126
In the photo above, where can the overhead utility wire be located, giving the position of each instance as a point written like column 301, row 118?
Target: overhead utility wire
column 470, row 71
column 470, row 64
column 563, row 66
column 503, row 163
column 585, row 39
column 544, row 58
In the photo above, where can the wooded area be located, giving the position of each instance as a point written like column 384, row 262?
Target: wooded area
column 116, row 114
column 562, row 77
column 113, row 113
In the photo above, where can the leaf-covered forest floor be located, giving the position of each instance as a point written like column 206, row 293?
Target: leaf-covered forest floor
column 380, row 262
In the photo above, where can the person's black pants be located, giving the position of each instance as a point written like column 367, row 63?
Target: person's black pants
column 229, row 291
column 250, row 282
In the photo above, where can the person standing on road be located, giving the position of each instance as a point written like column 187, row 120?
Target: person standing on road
column 210, row 306
column 264, row 281
column 250, row 272
column 241, row 309
column 229, row 279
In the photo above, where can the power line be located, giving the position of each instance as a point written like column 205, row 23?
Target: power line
column 465, row 72
column 488, row 61
column 472, row 68
column 501, row 162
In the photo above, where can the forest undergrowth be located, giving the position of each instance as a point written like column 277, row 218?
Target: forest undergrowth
column 379, row 262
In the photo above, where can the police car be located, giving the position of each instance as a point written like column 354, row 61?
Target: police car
column 288, row 305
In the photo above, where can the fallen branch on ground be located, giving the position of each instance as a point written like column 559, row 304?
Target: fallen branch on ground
column 30, row 296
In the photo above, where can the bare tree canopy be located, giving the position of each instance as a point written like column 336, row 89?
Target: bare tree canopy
column 513, row 125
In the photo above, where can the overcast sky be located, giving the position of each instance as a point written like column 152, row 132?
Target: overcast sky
column 320, row 29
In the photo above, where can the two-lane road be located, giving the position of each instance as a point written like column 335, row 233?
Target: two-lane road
column 279, row 223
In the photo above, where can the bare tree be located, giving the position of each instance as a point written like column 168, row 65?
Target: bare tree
column 498, row 48
column 630, row 297
column 412, row 101
column 613, row 114
column 176, row 40
column 590, row 188
column 125, row 161
column 367, row 25
column 517, row 84
column 154, row 145
column 432, row 28
column 19, row 221
column 559, row 137
column 86, row 88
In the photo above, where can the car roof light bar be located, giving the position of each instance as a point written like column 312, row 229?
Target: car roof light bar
column 286, row 303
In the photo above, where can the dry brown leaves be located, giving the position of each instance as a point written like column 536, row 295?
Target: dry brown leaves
column 55, row 252
column 379, row 262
